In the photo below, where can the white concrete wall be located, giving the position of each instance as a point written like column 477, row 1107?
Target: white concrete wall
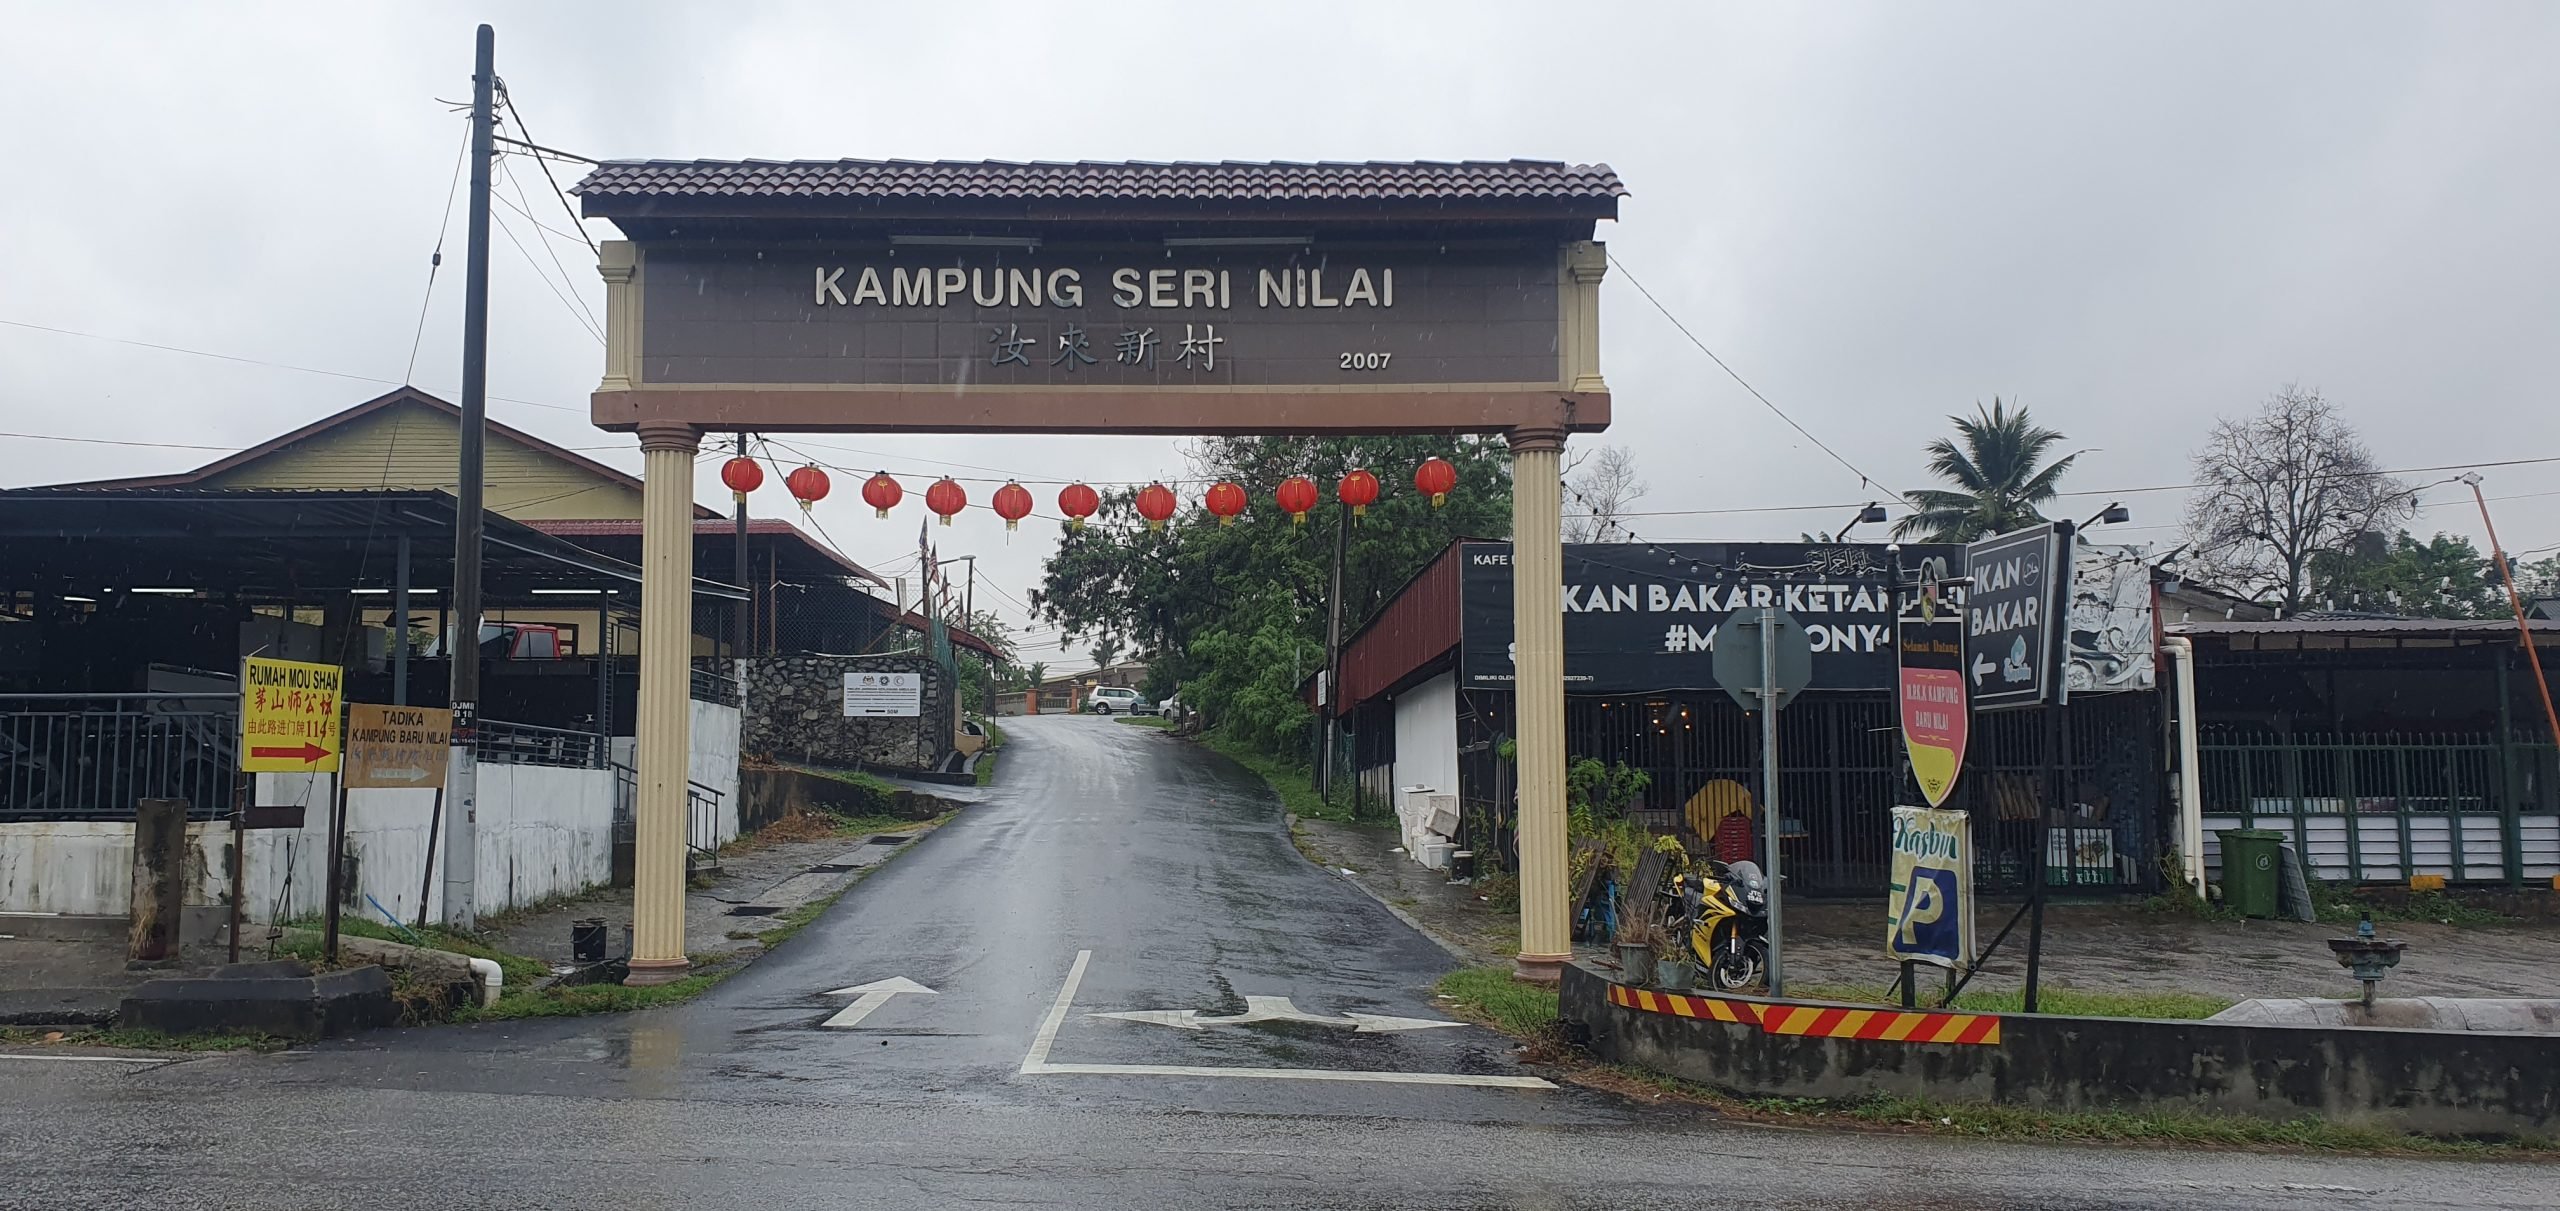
column 1427, row 735
column 544, row 831
column 714, row 760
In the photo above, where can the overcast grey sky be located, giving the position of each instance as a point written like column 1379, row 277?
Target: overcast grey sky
column 2131, row 218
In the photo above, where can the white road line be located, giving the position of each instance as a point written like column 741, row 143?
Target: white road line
column 1036, row 1063
column 92, row 1059
column 1292, row 1074
column 1040, row 1043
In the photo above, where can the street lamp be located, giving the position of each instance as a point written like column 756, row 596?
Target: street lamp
column 1873, row 512
column 2114, row 514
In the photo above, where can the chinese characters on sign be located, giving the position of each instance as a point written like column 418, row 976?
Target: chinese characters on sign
column 288, row 716
column 883, row 695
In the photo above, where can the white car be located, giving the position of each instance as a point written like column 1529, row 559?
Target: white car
column 1117, row 700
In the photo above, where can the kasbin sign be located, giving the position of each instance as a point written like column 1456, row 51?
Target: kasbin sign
column 1930, row 908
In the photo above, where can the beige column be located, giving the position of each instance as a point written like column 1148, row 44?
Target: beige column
column 663, row 738
column 1537, row 631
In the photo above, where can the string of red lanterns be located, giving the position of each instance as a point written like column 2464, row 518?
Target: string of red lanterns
column 1225, row 500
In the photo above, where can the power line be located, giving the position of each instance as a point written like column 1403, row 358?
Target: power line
column 548, row 250
column 1864, row 479
column 251, row 361
column 545, row 164
column 575, row 311
column 435, row 260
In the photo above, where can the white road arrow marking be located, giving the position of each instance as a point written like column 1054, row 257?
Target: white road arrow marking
column 868, row 997
column 402, row 775
column 1275, row 1009
column 1981, row 667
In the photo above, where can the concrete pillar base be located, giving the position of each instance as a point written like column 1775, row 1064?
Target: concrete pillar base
column 1539, row 969
column 646, row 973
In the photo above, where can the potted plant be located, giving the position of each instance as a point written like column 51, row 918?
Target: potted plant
column 1637, row 934
column 1672, row 970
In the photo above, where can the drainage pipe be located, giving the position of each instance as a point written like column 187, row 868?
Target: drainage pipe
column 2182, row 661
column 493, row 979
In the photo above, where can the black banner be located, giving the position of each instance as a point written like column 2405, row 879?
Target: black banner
column 1642, row 618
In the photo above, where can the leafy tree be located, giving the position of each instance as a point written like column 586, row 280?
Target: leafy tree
column 1235, row 615
column 1993, row 463
column 2281, row 489
column 2443, row 577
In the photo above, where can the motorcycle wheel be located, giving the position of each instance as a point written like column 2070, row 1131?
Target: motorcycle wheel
column 1733, row 972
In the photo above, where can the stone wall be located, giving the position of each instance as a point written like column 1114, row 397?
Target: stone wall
column 795, row 712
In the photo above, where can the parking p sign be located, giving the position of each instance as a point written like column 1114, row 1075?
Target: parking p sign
column 1929, row 908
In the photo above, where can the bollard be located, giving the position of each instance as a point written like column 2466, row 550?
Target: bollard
column 159, row 880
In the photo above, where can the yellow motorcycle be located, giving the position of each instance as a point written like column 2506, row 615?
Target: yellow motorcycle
column 1726, row 909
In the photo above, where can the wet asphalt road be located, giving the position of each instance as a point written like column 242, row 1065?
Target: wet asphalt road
column 1168, row 871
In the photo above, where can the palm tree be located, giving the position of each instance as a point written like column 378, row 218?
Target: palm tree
column 1994, row 471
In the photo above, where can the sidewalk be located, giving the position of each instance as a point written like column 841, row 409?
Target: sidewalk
column 2116, row 947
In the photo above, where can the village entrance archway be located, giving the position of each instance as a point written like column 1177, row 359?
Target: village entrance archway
column 1188, row 299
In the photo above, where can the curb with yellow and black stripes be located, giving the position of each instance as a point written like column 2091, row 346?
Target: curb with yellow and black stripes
column 1819, row 1021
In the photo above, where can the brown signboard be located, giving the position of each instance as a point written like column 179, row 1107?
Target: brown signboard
column 1131, row 317
column 396, row 746
column 1098, row 338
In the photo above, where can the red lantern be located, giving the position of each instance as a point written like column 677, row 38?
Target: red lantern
column 1226, row 500
column 808, row 484
column 1434, row 478
column 1297, row 495
column 1077, row 502
column 1013, row 503
column 1155, row 503
column 882, row 493
column 946, row 497
column 1359, row 490
column 743, row 475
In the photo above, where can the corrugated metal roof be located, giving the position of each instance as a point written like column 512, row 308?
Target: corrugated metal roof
column 1229, row 180
column 1417, row 626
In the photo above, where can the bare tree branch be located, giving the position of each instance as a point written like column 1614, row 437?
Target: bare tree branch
column 1605, row 487
column 2280, row 487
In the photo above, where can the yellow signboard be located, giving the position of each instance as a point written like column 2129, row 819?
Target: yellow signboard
column 397, row 746
column 289, row 716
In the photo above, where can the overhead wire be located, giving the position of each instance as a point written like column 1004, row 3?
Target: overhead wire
column 575, row 311
column 1864, row 479
column 435, row 260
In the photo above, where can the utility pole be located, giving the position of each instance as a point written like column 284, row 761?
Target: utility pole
column 462, row 643
column 1333, row 651
column 745, row 626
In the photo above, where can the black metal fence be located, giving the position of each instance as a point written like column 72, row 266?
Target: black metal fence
column 91, row 756
column 502, row 743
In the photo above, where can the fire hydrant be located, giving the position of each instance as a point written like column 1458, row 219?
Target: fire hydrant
column 2367, row 956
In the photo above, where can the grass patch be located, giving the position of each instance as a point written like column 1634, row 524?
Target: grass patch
column 1982, row 1121
column 139, row 1040
column 1294, row 783
column 520, row 969
column 986, row 766
column 1158, row 722
column 600, row 998
column 1489, row 995
column 2342, row 904
column 2066, row 1002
